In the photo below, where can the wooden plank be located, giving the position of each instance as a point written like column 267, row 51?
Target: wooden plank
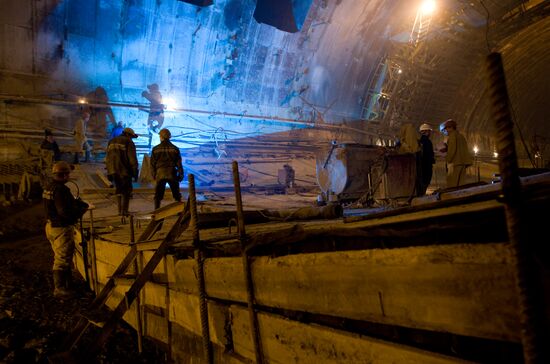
column 187, row 348
column 490, row 189
column 285, row 341
column 361, row 221
column 109, row 256
column 183, row 309
column 109, row 252
column 462, row 289
column 104, row 178
column 169, row 210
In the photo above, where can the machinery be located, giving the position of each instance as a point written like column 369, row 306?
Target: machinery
column 348, row 171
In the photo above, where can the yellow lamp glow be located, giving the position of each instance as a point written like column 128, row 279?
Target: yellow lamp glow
column 427, row 7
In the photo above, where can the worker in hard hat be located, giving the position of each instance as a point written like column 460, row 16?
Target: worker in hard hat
column 80, row 138
column 426, row 160
column 122, row 166
column 457, row 155
column 166, row 167
column 408, row 139
column 62, row 214
column 51, row 145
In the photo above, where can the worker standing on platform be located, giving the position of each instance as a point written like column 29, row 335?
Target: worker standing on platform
column 426, row 160
column 166, row 167
column 80, row 138
column 457, row 155
column 62, row 214
column 122, row 166
column 50, row 144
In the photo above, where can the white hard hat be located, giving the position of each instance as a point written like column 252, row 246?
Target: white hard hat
column 425, row 127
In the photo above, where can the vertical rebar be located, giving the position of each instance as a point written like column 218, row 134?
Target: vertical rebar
column 533, row 335
column 138, row 298
column 91, row 249
column 254, row 327
column 199, row 258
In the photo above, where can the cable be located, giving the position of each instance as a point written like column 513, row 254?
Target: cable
column 486, row 26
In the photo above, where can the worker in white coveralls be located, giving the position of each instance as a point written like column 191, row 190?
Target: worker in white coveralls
column 80, row 138
column 457, row 155
column 62, row 214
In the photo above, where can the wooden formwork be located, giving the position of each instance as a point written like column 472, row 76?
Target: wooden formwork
column 434, row 284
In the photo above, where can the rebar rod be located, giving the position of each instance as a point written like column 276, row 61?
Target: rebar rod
column 533, row 335
column 251, row 301
column 199, row 258
column 138, row 298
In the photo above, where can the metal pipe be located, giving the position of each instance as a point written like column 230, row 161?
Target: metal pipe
column 534, row 335
column 326, row 126
column 199, row 258
column 251, row 300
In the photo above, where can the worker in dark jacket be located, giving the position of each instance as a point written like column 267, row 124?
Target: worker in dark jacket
column 62, row 213
column 50, row 144
column 122, row 166
column 166, row 167
column 427, row 159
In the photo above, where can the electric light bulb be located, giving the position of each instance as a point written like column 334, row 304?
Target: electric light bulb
column 169, row 103
column 427, row 7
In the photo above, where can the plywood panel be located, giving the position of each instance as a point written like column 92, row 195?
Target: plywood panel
column 462, row 289
column 285, row 341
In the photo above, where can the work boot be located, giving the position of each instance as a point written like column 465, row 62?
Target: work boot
column 157, row 204
column 119, row 204
column 60, row 281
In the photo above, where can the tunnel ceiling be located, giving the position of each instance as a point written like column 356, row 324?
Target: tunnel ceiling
column 219, row 59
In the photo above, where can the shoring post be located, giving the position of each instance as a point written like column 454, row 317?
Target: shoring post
column 534, row 335
column 199, row 258
column 254, row 327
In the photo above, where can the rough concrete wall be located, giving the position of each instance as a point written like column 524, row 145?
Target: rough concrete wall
column 217, row 58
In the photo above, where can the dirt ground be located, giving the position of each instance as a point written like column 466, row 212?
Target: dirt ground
column 33, row 323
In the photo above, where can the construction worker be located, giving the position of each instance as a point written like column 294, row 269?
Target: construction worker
column 426, row 159
column 80, row 138
column 122, row 166
column 62, row 213
column 156, row 107
column 408, row 139
column 457, row 155
column 50, row 144
column 166, row 167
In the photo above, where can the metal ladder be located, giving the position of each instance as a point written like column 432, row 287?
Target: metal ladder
column 110, row 324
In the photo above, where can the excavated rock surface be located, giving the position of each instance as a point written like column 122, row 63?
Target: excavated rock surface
column 33, row 323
